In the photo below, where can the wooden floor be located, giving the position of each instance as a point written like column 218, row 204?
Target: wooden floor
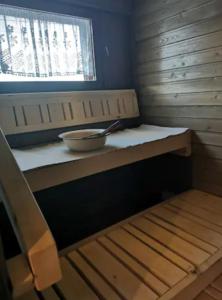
column 171, row 251
column 213, row 291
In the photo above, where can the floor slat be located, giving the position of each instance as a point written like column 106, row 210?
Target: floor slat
column 183, row 234
column 127, row 284
column 214, row 293
column 204, row 200
column 72, row 286
column 102, row 287
column 218, row 284
column 198, row 230
column 171, row 241
column 29, row 296
column 204, row 296
column 50, row 294
column 161, row 249
column 193, row 218
column 214, row 218
column 156, row 255
column 165, row 270
column 147, row 277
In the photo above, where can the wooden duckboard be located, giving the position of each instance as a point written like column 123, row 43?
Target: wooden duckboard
column 213, row 291
column 170, row 251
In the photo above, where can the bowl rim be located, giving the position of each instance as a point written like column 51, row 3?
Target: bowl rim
column 64, row 135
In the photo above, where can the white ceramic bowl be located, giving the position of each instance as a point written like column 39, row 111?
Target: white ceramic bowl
column 75, row 142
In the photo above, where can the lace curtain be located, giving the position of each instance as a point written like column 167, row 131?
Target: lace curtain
column 36, row 45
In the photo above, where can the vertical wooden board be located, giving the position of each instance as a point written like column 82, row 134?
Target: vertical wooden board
column 160, row 248
column 45, row 113
column 32, row 114
column 135, row 104
column 67, row 111
column 188, row 225
column 20, row 120
column 50, row 294
column 171, row 241
column 7, row 119
column 120, row 104
column 129, row 104
column 87, row 108
column 127, row 284
column 144, row 274
column 181, row 233
column 101, row 286
column 113, row 106
column 21, row 277
column 124, row 104
column 72, row 286
column 56, row 112
column 30, row 227
column 78, row 111
column 107, row 107
column 166, row 271
column 97, row 109
column 104, row 107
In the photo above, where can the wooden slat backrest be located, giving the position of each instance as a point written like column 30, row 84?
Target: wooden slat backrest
column 30, row 227
column 21, row 113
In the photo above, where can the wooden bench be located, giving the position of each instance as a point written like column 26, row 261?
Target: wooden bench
column 171, row 251
column 25, row 113
column 29, row 113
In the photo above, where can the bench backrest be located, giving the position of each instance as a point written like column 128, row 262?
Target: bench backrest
column 21, row 113
column 32, row 231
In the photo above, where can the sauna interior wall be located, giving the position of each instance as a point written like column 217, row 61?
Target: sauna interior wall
column 178, row 72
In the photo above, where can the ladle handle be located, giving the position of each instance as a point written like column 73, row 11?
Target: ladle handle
column 111, row 128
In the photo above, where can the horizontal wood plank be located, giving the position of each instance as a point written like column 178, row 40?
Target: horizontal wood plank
column 118, row 276
column 164, row 270
column 203, row 11
column 178, row 74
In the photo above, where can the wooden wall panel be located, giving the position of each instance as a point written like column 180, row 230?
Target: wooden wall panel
column 178, row 72
column 23, row 113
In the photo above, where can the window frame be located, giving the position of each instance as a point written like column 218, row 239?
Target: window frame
column 53, row 86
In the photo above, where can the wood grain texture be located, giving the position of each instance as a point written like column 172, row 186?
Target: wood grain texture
column 23, row 113
column 30, row 227
column 179, row 77
column 148, row 256
column 213, row 291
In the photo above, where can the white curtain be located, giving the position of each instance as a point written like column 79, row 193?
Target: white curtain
column 36, row 44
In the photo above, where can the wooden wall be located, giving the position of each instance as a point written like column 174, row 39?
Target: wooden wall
column 178, row 71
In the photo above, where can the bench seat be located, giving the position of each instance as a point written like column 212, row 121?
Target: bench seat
column 170, row 251
column 45, row 166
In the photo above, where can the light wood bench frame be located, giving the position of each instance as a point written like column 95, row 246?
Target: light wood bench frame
column 32, row 112
column 39, row 266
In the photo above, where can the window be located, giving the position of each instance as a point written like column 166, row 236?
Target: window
column 40, row 46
